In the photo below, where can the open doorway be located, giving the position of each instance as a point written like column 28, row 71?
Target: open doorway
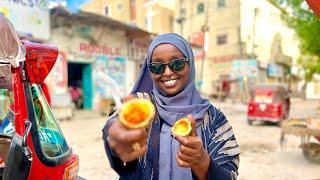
column 80, row 84
column 75, row 84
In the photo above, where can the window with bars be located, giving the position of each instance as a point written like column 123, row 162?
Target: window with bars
column 221, row 3
column 200, row 8
column 107, row 11
column 222, row 39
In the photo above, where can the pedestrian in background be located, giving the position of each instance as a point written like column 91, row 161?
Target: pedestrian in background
column 76, row 96
column 209, row 152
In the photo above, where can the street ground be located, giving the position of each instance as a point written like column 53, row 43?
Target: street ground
column 261, row 158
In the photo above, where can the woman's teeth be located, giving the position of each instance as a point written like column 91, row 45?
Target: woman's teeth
column 170, row 82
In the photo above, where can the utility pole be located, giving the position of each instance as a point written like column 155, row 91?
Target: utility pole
column 254, row 32
column 181, row 17
column 240, row 43
column 204, row 29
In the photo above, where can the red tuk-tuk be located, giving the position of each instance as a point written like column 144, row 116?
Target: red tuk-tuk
column 268, row 102
column 36, row 148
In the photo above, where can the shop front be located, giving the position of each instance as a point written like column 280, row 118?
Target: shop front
column 245, row 73
column 89, row 48
column 275, row 73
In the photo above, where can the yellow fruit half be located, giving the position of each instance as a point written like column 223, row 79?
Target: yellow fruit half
column 136, row 113
column 182, row 127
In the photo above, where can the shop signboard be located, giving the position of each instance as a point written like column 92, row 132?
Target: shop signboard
column 138, row 49
column 275, row 70
column 84, row 52
column 30, row 18
column 246, row 67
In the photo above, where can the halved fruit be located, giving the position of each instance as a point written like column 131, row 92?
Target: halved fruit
column 136, row 113
column 182, row 127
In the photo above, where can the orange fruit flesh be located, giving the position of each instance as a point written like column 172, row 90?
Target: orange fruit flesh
column 136, row 113
column 182, row 127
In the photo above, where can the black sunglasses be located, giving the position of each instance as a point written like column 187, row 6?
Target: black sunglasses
column 174, row 65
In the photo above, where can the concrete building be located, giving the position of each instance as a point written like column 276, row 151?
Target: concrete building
column 238, row 30
column 230, row 30
column 118, row 10
column 153, row 16
column 90, row 44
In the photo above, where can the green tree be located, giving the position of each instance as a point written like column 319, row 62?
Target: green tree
column 299, row 17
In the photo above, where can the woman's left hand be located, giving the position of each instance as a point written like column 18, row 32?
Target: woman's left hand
column 192, row 154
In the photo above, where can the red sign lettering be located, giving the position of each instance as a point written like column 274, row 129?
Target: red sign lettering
column 97, row 49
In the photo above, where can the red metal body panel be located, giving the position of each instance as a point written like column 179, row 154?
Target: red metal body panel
column 20, row 107
column 270, row 112
column 38, row 169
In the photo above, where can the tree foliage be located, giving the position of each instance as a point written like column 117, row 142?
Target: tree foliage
column 299, row 17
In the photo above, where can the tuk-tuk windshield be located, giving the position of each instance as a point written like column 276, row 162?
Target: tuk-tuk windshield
column 263, row 96
column 52, row 140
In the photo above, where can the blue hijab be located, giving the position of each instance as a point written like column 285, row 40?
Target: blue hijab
column 172, row 108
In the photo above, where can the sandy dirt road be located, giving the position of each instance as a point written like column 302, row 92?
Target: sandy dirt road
column 262, row 157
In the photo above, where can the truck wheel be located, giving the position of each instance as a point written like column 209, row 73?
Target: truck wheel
column 249, row 122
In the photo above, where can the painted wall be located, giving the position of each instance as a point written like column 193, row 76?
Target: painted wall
column 83, row 42
column 29, row 18
column 98, row 46
column 313, row 90
column 154, row 16
column 118, row 10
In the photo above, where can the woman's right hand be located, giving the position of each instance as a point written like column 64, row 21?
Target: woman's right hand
column 121, row 140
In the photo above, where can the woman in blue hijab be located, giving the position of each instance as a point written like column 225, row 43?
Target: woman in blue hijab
column 209, row 152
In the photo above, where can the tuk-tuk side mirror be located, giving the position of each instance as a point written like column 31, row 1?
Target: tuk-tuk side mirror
column 40, row 59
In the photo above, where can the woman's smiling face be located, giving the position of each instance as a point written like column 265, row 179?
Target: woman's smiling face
column 169, row 82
